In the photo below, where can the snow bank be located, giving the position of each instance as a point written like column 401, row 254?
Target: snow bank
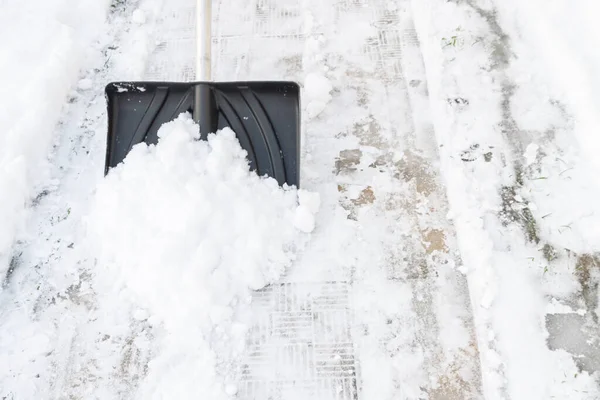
column 187, row 231
column 44, row 45
column 562, row 38
column 557, row 96
column 471, row 73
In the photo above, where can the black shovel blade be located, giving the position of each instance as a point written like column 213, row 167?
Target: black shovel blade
column 265, row 117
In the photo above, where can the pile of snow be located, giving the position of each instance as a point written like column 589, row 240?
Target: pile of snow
column 186, row 231
column 44, row 46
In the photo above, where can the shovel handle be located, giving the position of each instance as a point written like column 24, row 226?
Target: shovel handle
column 203, row 39
column 204, row 103
column 205, row 109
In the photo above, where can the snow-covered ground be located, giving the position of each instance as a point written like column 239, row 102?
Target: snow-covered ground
column 443, row 245
column 44, row 44
column 514, row 121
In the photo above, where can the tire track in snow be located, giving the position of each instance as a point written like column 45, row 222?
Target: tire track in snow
column 458, row 366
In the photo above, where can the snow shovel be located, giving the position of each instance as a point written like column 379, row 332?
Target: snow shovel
column 265, row 115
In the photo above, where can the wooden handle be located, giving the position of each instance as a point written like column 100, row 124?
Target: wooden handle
column 203, row 39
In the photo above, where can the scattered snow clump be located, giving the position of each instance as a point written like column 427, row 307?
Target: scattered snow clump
column 317, row 92
column 531, row 153
column 139, row 17
column 187, row 230
column 85, row 84
column 309, row 205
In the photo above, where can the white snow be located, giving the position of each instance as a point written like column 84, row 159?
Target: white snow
column 561, row 52
column 516, row 76
column 311, row 200
column 531, row 153
column 317, row 93
column 557, row 104
column 309, row 205
column 85, row 84
column 187, row 230
column 44, row 44
column 139, row 17
column 231, row 390
column 304, row 220
column 449, row 205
